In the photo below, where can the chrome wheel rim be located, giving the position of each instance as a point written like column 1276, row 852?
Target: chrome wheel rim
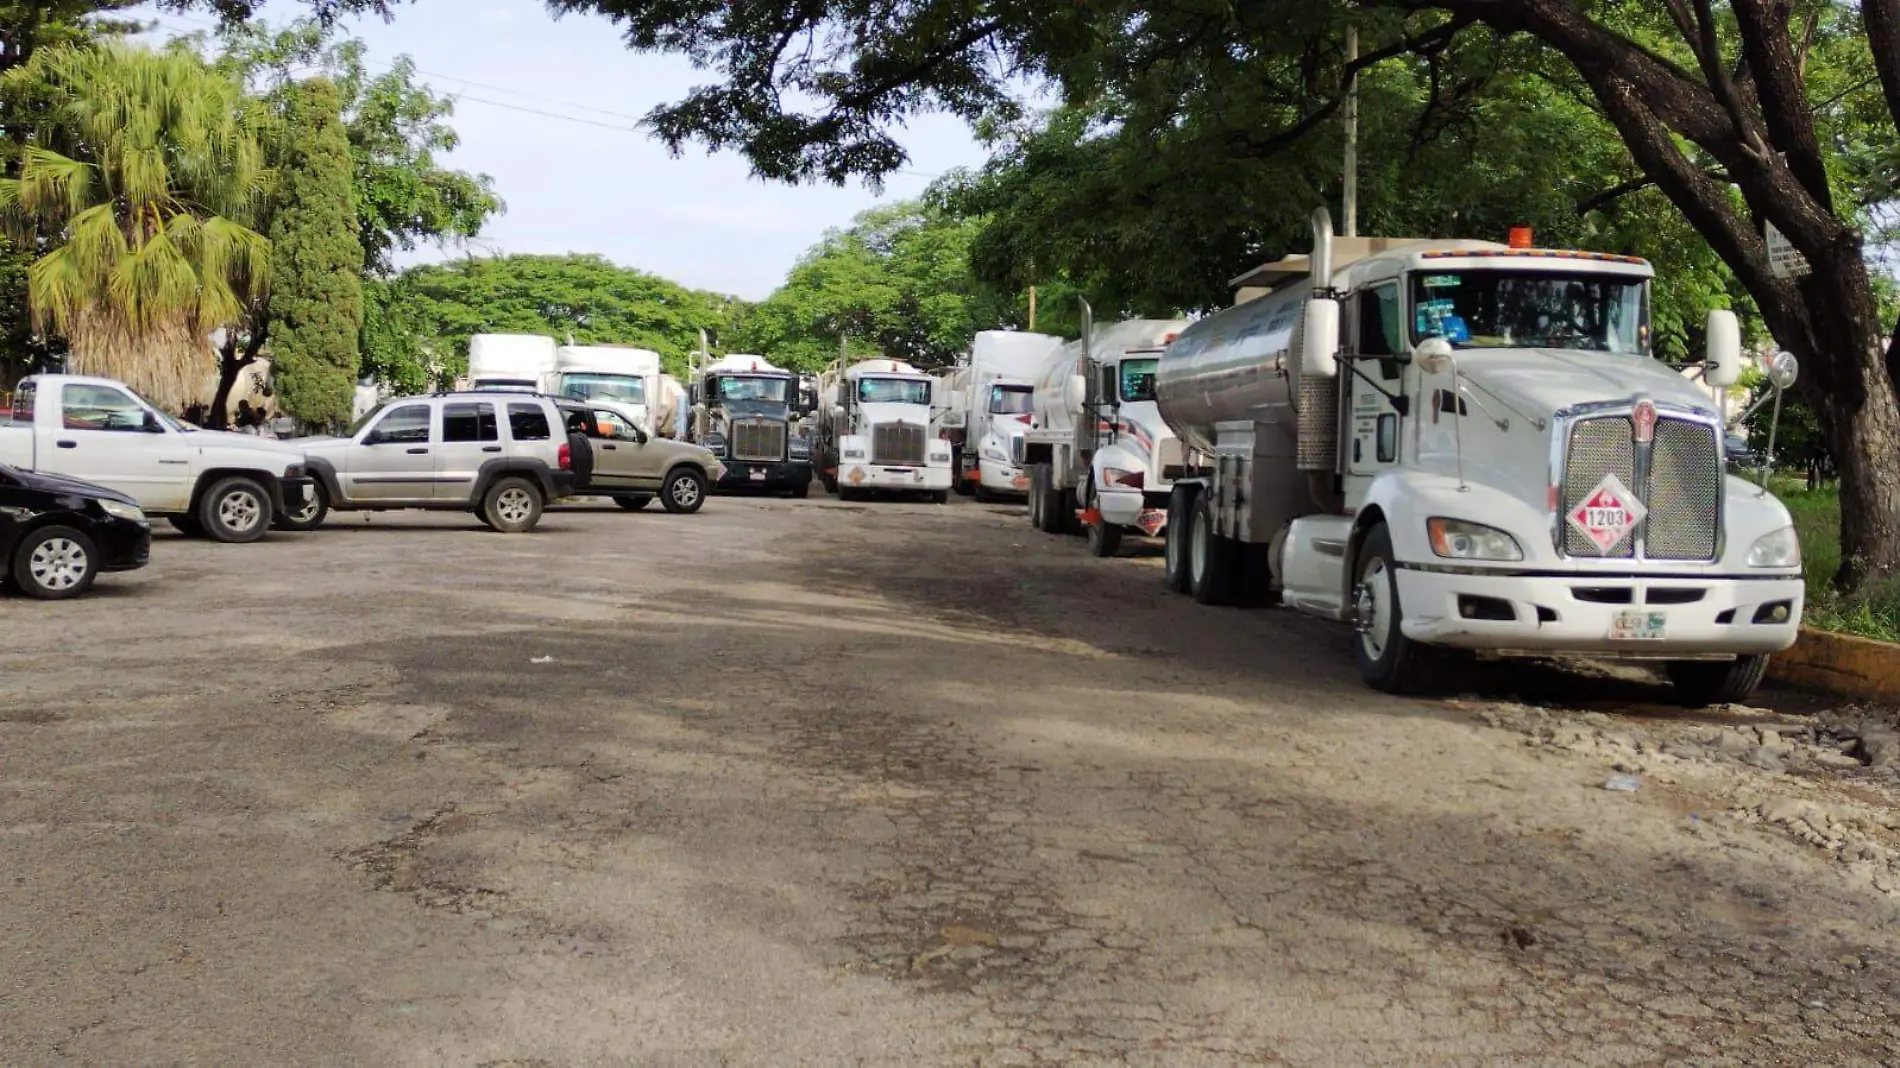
column 513, row 505
column 1372, row 609
column 1197, row 553
column 685, row 492
column 240, row 510
column 57, row 564
column 309, row 510
column 1171, row 545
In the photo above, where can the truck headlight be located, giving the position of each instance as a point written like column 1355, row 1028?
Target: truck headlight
column 854, row 454
column 122, row 510
column 994, row 454
column 799, row 448
column 1456, row 539
column 1780, row 549
column 716, row 444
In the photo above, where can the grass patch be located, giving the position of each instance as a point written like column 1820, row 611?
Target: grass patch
column 1873, row 612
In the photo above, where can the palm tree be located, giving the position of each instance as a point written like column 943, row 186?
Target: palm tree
column 135, row 181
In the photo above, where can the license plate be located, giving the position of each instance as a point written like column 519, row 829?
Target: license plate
column 757, row 476
column 1639, row 626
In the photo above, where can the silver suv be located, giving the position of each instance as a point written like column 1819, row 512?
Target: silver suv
column 502, row 456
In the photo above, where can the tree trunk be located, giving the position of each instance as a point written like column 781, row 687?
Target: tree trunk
column 231, row 364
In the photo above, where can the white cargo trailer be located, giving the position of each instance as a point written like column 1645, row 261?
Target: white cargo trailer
column 517, row 362
column 1457, row 445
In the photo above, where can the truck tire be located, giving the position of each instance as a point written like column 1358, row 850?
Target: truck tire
column 54, row 563
column 1105, row 538
column 1049, row 511
column 512, row 505
column 1035, row 496
column 235, row 511
column 941, row 496
column 830, row 483
column 683, row 492
column 1388, row 660
column 187, row 525
column 802, row 490
column 956, row 471
column 1701, row 683
column 1212, row 561
column 1066, row 520
column 634, row 502
column 1174, row 571
column 310, row 516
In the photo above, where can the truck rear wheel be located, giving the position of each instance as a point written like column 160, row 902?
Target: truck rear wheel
column 1387, row 659
column 1212, row 560
column 235, row 511
column 1700, row 683
column 1035, row 496
column 1174, row 573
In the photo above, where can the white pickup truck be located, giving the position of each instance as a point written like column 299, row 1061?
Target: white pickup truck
column 227, row 487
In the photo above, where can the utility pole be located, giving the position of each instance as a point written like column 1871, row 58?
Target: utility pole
column 1032, row 308
column 1351, row 183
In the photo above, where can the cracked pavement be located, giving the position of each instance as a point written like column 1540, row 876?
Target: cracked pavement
column 812, row 783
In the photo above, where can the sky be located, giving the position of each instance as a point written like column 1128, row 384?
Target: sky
column 599, row 185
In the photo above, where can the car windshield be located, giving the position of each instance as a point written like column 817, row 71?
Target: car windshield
column 627, row 389
column 1532, row 309
column 893, row 391
column 749, row 388
column 364, row 420
column 1011, row 400
column 1138, row 379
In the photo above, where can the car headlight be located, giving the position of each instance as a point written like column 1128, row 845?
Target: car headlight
column 295, row 471
column 1779, row 549
column 122, row 510
column 1456, row 539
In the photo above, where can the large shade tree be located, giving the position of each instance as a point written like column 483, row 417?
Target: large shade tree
column 1743, row 114
column 136, row 178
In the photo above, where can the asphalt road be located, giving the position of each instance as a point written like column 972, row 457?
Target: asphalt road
column 811, row 783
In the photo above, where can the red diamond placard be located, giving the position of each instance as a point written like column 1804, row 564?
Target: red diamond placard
column 1608, row 514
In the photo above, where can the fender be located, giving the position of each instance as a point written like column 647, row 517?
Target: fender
column 536, row 470
column 324, row 472
column 1405, row 500
column 267, row 479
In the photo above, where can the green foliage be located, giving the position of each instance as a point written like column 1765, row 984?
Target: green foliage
column 1872, row 612
column 419, row 323
column 396, row 128
column 316, row 301
column 898, row 282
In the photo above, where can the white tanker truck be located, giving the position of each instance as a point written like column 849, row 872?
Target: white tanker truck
column 875, row 431
column 1462, row 445
column 1097, row 444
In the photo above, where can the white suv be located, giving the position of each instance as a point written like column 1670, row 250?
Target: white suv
column 502, row 456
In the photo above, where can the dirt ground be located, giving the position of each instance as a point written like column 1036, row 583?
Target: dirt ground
column 812, row 783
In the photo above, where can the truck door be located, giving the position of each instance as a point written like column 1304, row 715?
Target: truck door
column 391, row 463
column 101, row 434
column 1373, row 423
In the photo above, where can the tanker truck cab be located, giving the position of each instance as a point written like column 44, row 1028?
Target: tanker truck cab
column 880, row 426
column 1007, row 409
column 743, row 412
column 1457, row 445
column 622, row 375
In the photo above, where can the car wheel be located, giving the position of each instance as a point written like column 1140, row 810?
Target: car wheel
column 54, row 563
column 512, row 505
column 310, row 516
column 187, row 525
column 1180, row 522
column 235, row 511
column 684, row 491
column 1387, row 659
column 1701, row 683
column 634, row 503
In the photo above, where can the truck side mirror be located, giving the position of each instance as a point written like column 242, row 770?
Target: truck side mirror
column 1783, row 369
column 1433, row 355
column 1319, row 355
column 1723, row 362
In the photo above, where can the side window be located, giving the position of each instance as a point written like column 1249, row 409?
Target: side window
column 610, row 425
column 469, row 422
column 23, row 402
column 407, row 424
column 99, row 408
column 528, row 422
column 1379, row 322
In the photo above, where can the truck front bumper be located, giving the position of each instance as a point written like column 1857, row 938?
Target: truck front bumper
column 878, row 477
column 1145, row 512
column 779, row 475
column 997, row 477
column 1600, row 615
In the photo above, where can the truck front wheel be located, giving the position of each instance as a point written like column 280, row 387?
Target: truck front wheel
column 235, row 511
column 1105, row 538
column 1701, row 683
column 1388, row 660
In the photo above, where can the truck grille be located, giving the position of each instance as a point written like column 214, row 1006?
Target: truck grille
column 1682, row 490
column 758, row 439
column 897, row 443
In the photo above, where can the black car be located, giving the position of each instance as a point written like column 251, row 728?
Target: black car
column 57, row 533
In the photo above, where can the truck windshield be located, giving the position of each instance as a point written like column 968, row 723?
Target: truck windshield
column 1138, row 379
column 627, row 389
column 1532, row 309
column 1011, row 400
column 893, row 391
column 749, row 388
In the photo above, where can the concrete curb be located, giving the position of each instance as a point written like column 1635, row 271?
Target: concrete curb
column 1840, row 663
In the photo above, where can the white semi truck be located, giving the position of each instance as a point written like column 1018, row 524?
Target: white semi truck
column 992, row 389
column 622, row 374
column 875, row 431
column 1457, row 445
column 1100, row 456
column 745, row 410
column 515, row 362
